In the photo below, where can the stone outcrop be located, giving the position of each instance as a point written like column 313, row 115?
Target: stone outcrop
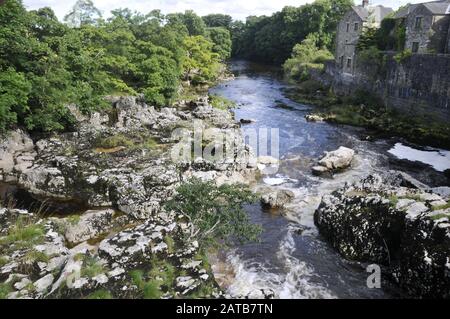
column 392, row 221
column 334, row 161
column 135, row 177
column 122, row 159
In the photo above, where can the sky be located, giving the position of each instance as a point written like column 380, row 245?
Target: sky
column 238, row 9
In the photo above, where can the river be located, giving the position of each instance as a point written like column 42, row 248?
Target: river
column 292, row 260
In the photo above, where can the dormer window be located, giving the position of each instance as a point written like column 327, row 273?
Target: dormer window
column 418, row 23
column 356, row 26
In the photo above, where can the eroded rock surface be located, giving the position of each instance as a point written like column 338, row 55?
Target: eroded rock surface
column 393, row 221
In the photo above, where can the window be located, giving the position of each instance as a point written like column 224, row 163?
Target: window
column 418, row 23
column 356, row 26
column 415, row 47
column 341, row 61
column 349, row 63
column 348, row 26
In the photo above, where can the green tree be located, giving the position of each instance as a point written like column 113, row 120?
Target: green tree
column 200, row 65
column 14, row 91
column 190, row 20
column 222, row 41
column 218, row 20
column 215, row 211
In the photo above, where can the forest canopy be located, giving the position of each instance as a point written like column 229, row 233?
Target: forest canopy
column 46, row 64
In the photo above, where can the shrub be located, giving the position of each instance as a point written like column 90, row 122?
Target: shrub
column 215, row 211
column 306, row 56
column 403, row 56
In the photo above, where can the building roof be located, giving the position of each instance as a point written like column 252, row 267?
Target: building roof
column 378, row 13
column 439, row 7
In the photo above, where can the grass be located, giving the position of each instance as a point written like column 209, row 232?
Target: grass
column 170, row 244
column 120, row 141
column 23, row 234
column 115, row 141
column 100, row 294
column 5, row 289
column 91, row 268
column 221, row 103
column 439, row 216
column 3, row 261
column 445, row 206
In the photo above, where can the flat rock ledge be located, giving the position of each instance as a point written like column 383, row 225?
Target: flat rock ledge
column 395, row 222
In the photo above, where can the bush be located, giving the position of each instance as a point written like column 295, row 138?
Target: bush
column 306, row 57
column 403, row 56
column 215, row 211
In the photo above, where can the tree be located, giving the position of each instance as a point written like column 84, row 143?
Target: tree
column 14, row 91
column 200, row 64
column 215, row 211
column 83, row 13
column 190, row 20
column 222, row 41
column 218, row 20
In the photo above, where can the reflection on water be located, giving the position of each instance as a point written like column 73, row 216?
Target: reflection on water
column 292, row 261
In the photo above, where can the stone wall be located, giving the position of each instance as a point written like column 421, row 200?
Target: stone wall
column 418, row 85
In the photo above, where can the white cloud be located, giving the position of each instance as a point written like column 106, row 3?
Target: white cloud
column 238, row 9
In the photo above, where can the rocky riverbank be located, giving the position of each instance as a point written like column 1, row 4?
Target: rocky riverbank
column 118, row 166
column 396, row 222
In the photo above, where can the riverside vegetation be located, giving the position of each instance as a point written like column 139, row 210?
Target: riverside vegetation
column 86, row 114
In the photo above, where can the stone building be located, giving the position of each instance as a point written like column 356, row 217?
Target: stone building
column 427, row 27
column 349, row 31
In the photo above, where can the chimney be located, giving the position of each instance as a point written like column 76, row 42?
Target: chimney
column 365, row 3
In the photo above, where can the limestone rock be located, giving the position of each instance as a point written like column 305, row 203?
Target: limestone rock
column 335, row 161
column 277, row 198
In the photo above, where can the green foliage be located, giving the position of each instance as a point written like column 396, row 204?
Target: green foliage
column 45, row 64
column 5, row 289
column 403, row 56
column 91, row 267
column 221, row 103
column 218, row 20
column 221, row 38
column 215, row 211
column 23, row 234
column 305, row 57
column 201, row 65
column 271, row 39
column 100, row 294
column 445, row 206
column 14, row 91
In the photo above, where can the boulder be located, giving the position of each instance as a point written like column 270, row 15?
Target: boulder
column 314, row 118
column 277, row 198
column 246, row 121
column 335, row 161
column 16, row 142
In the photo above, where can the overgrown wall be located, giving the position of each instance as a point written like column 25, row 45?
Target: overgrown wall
column 418, row 85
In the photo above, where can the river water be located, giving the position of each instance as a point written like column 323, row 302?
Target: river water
column 292, row 260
